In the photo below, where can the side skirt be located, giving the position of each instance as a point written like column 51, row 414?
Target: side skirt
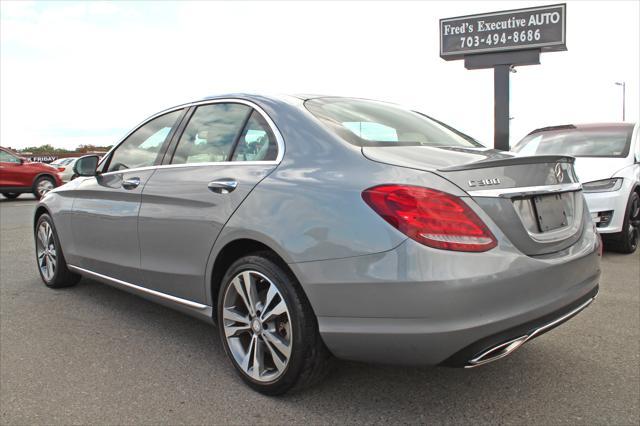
column 195, row 309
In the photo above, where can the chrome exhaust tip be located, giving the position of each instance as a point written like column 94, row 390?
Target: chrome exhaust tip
column 497, row 352
column 500, row 351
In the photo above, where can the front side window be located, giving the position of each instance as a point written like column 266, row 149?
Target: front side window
column 257, row 142
column 142, row 147
column 611, row 141
column 370, row 123
column 211, row 133
column 5, row 157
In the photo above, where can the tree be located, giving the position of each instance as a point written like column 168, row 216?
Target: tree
column 49, row 149
column 44, row 149
column 92, row 148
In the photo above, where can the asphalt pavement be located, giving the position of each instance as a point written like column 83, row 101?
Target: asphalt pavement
column 92, row 354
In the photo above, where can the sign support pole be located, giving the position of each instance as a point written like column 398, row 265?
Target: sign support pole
column 501, row 107
column 501, row 40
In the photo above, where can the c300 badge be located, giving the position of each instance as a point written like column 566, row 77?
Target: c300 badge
column 484, row 182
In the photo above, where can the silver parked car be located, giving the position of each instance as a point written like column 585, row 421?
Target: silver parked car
column 306, row 227
column 65, row 167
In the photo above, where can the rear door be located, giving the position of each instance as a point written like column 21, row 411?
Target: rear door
column 225, row 149
column 106, row 207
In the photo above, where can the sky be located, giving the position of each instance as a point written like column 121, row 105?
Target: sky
column 76, row 73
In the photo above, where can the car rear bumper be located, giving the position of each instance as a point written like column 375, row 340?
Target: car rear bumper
column 420, row 306
column 499, row 345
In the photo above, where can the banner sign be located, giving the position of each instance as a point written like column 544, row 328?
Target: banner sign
column 41, row 158
column 531, row 28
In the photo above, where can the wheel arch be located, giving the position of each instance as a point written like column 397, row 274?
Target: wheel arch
column 40, row 210
column 44, row 174
column 231, row 251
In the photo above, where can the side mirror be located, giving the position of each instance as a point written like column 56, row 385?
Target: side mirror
column 86, row 166
column 21, row 160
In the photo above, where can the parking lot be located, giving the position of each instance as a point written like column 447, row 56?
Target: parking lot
column 94, row 354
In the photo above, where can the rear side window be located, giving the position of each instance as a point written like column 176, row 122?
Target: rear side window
column 142, row 147
column 211, row 133
column 370, row 123
column 257, row 142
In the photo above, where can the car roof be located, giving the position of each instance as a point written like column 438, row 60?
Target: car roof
column 280, row 96
column 249, row 96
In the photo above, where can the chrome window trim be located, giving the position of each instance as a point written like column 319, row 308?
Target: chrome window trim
column 212, row 163
column 526, row 190
column 272, row 125
column 165, row 296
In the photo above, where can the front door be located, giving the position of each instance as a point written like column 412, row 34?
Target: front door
column 224, row 151
column 13, row 173
column 106, row 207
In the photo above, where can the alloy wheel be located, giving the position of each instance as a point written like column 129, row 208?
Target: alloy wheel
column 44, row 186
column 257, row 326
column 46, row 251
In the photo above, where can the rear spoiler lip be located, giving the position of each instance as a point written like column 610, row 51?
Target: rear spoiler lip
column 514, row 161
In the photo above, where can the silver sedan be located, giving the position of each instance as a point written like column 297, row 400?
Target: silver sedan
column 307, row 227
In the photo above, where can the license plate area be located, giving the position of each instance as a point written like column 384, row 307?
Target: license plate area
column 552, row 210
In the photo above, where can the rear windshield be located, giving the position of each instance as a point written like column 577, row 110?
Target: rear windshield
column 62, row 161
column 596, row 142
column 370, row 123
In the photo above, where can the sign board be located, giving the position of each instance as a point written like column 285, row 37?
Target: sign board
column 42, row 158
column 531, row 28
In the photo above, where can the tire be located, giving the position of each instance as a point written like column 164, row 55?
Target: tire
column 627, row 240
column 296, row 330
column 11, row 195
column 50, row 260
column 42, row 185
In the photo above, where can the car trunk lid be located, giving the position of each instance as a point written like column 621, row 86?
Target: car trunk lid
column 535, row 201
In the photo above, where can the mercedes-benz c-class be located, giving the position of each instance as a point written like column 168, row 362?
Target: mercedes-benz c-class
column 310, row 227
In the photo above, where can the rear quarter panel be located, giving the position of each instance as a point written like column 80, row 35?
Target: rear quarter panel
column 311, row 208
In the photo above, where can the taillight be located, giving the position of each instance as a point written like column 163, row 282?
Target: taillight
column 431, row 217
column 61, row 169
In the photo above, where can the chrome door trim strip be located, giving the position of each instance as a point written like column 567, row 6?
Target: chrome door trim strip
column 527, row 190
column 204, row 164
column 272, row 125
column 175, row 299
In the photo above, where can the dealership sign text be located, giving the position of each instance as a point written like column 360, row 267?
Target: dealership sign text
column 533, row 28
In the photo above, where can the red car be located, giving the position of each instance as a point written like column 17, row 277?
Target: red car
column 18, row 176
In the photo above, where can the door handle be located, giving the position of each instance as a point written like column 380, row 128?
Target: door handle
column 222, row 186
column 131, row 183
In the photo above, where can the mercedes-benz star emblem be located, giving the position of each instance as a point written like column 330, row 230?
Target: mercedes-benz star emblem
column 559, row 172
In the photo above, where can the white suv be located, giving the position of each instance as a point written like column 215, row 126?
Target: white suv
column 608, row 165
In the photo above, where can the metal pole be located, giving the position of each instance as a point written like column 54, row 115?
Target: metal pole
column 624, row 87
column 501, row 107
